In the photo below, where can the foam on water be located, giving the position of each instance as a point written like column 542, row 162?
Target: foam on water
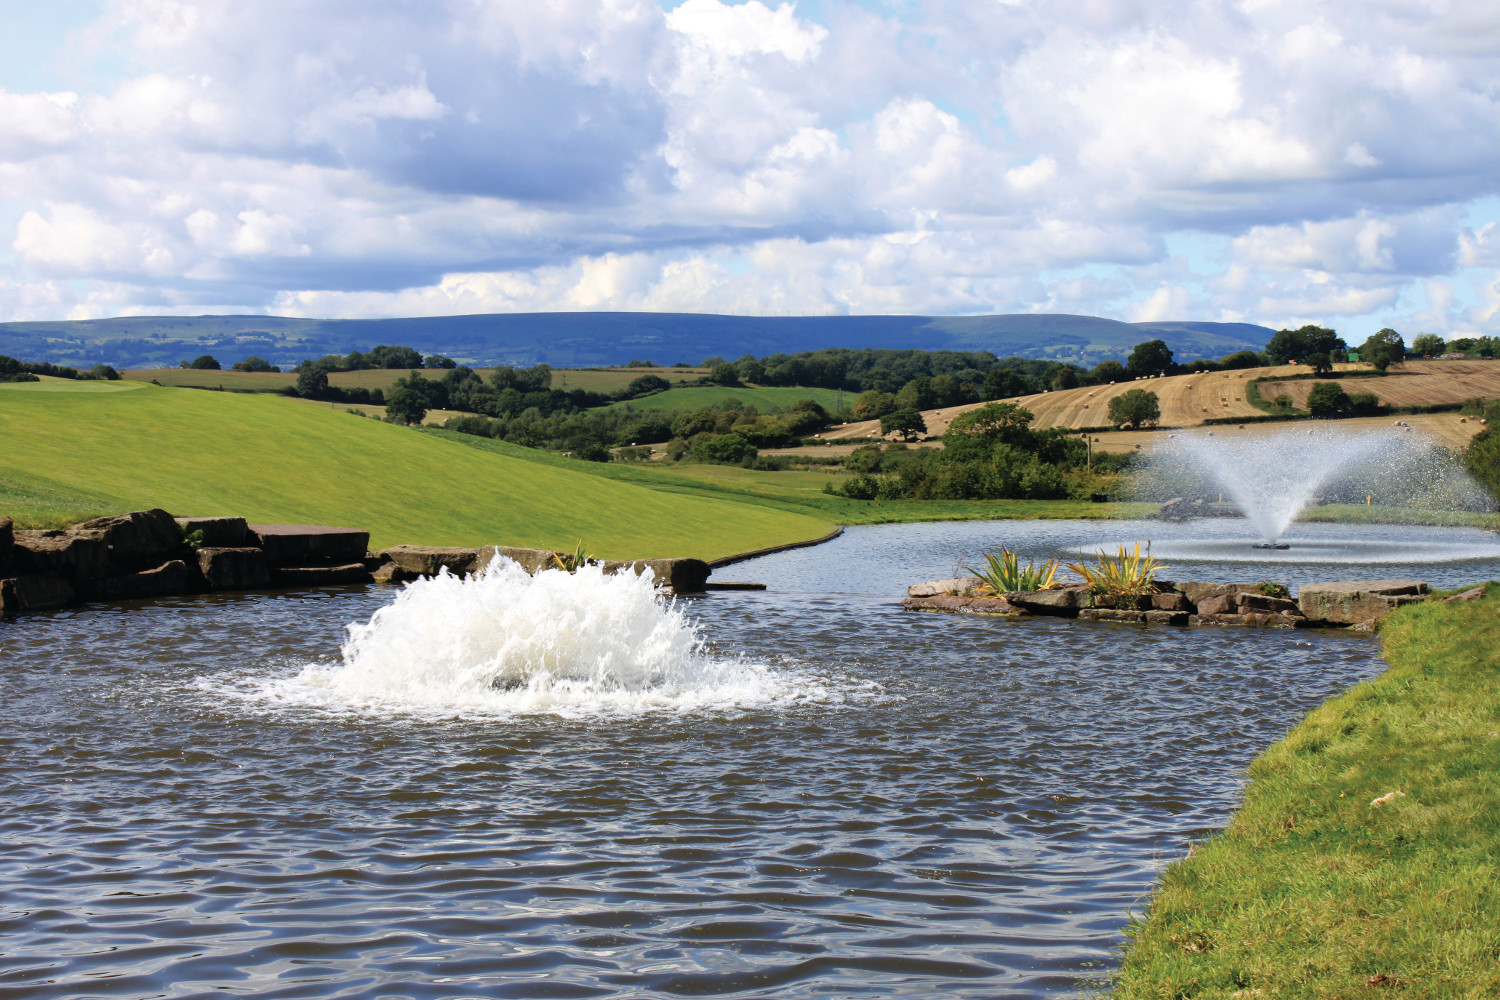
column 506, row 642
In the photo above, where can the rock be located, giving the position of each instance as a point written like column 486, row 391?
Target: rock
column 960, row 605
column 1252, row 618
column 1472, row 594
column 681, row 575
column 1256, row 602
column 73, row 555
column 1171, row 602
column 1176, row 508
column 169, row 579
column 531, row 560
column 319, row 576
column 230, row 568
column 934, row 588
column 1167, row 617
column 427, row 560
column 1197, row 593
column 305, row 545
column 1354, row 602
column 1065, row 602
column 218, row 532
column 7, row 543
column 136, row 540
column 34, row 593
column 1219, row 605
column 1112, row 615
column 390, row 573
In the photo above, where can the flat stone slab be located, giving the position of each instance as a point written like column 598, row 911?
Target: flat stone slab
column 1354, row 602
column 1258, row 620
column 7, row 544
column 138, row 539
column 302, row 545
column 1141, row 617
column 319, row 576
column 1065, row 602
column 959, row 585
column 167, row 580
column 956, row 604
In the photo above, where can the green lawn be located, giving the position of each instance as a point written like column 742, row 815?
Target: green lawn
column 272, row 459
column 46, row 383
column 802, row 490
column 766, row 398
column 1313, row 890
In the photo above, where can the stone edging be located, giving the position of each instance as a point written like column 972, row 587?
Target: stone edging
column 743, row 556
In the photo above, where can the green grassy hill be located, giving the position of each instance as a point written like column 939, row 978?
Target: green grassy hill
column 103, row 447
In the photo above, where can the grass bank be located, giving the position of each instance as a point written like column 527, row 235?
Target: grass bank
column 800, row 491
column 71, row 455
column 1315, row 890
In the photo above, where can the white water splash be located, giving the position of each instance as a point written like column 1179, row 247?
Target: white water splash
column 1272, row 477
column 506, row 642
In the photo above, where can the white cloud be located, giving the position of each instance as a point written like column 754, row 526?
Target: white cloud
column 379, row 157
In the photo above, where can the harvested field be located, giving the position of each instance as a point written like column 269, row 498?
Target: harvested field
column 1416, row 383
column 1447, row 429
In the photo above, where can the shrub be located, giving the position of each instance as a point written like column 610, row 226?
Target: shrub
column 723, row 449
column 1120, row 578
column 1327, row 399
column 202, row 362
column 1136, row 407
column 1004, row 574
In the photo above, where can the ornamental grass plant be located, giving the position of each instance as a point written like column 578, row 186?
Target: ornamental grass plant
column 1121, row 577
column 1004, row 574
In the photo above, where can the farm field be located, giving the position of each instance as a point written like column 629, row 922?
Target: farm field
column 605, row 380
column 766, row 398
column 73, row 455
column 1416, row 383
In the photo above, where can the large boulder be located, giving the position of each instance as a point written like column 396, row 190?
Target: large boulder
column 7, row 542
column 72, row 555
column 427, row 560
column 216, row 532
column 234, row 568
column 1357, row 602
column 303, row 545
column 937, row 588
column 138, row 540
column 1246, row 602
column 34, row 593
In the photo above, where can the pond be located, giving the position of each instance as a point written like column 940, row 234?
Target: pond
column 833, row 798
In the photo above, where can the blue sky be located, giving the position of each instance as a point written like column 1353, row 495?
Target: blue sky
column 1264, row 161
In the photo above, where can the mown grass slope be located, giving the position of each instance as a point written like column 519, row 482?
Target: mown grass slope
column 1366, row 857
column 271, row 459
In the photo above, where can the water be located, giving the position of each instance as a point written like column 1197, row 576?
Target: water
column 791, row 794
column 1273, row 476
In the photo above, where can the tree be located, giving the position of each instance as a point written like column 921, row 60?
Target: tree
column 1383, row 349
column 203, row 362
column 906, row 421
column 645, row 386
column 724, row 373
column 1136, row 407
column 750, row 370
column 1106, row 372
column 312, row 383
column 1151, row 358
column 724, row 449
column 1066, row 378
column 105, row 373
column 1005, row 383
column 1241, row 359
column 406, row 405
column 872, row 403
column 438, row 361
column 253, row 364
column 1318, row 362
column 1428, row 343
column 1299, row 343
column 1327, row 399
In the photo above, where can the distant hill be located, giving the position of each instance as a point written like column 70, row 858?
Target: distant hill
column 590, row 339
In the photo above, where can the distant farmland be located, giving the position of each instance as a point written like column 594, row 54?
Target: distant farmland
column 605, row 380
column 1416, row 383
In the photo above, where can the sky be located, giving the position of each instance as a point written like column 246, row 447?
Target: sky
column 1258, row 161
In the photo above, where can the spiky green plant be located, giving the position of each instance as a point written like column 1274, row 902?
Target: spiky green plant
column 1128, row 574
column 1004, row 574
column 571, row 562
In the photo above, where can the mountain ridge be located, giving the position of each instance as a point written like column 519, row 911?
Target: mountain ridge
column 599, row 339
